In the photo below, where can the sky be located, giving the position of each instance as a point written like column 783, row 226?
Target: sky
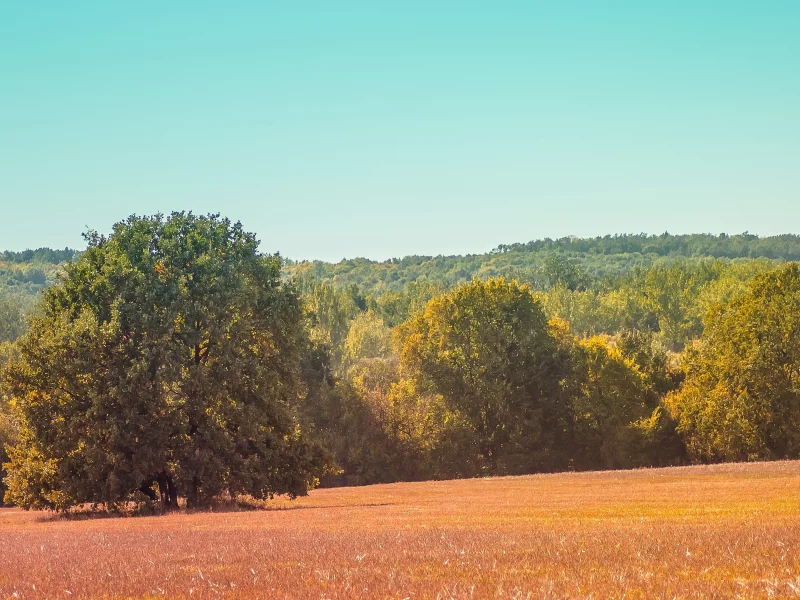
column 377, row 129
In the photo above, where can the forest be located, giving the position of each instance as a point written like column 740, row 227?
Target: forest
column 172, row 359
column 597, row 261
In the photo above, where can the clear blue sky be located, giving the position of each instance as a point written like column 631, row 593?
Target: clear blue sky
column 347, row 129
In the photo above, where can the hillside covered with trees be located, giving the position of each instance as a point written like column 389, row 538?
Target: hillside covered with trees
column 22, row 276
column 574, row 262
column 171, row 358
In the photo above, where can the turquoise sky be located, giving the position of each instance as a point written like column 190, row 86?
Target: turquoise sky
column 344, row 129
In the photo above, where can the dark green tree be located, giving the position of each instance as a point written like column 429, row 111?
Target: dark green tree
column 564, row 272
column 167, row 358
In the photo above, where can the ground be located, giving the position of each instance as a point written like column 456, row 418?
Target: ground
column 696, row 532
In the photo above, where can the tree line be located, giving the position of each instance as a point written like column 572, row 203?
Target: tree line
column 591, row 263
column 172, row 359
column 743, row 245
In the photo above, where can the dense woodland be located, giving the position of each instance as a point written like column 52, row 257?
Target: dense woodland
column 596, row 262
column 172, row 358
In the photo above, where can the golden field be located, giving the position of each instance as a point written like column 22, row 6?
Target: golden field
column 726, row 531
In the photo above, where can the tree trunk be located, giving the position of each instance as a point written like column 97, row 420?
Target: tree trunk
column 193, row 495
column 163, row 491
column 147, row 490
column 173, row 492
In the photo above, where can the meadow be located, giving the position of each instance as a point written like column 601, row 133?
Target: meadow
column 719, row 531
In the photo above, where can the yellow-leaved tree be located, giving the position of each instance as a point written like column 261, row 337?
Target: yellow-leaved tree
column 741, row 398
column 486, row 349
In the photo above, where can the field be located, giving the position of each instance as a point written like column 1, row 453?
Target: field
column 697, row 532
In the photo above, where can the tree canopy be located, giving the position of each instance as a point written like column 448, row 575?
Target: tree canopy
column 166, row 358
column 486, row 349
column 576, row 263
column 741, row 398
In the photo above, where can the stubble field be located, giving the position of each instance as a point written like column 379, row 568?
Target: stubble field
column 697, row 532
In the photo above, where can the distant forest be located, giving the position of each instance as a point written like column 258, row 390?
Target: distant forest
column 22, row 276
column 585, row 262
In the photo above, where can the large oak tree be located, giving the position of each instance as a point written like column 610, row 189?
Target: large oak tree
column 167, row 359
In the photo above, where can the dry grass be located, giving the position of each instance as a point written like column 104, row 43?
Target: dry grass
column 699, row 532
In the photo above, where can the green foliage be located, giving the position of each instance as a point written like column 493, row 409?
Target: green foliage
column 667, row 300
column 382, row 441
column 39, row 256
column 11, row 321
column 486, row 349
column 169, row 355
column 741, row 398
column 618, row 418
column 23, row 275
column 8, row 424
column 591, row 312
column 745, row 245
column 652, row 360
column 560, row 271
column 367, row 338
column 331, row 311
column 357, row 413
column 172, row 355
column 572, row 262
column 396, row 307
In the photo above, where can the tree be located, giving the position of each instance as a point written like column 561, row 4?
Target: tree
column 653, row 362
column 396, row 307
column 370, row 422
column 573, row 263
column 332, row 310
column 368, row 338
column 167, row 358
column 486, row 349
column 741, row 397
column 378, row 439
column 8, row 424
column 671, row 293
column 618, row 418
column 12, row 323
column 563, row 272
